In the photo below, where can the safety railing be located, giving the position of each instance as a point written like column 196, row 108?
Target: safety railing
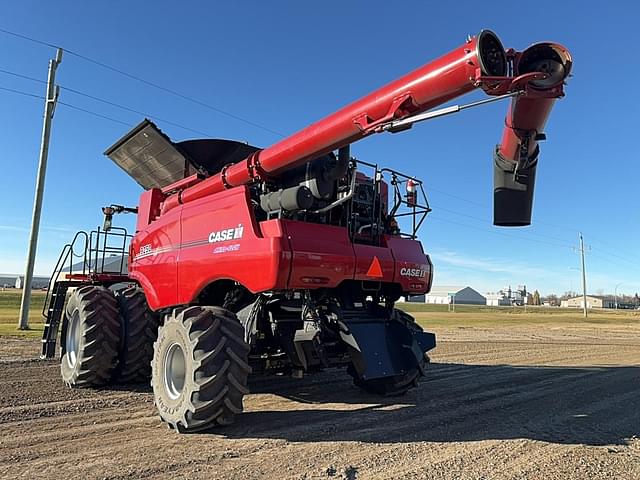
column 412, row 203
column 89, row 254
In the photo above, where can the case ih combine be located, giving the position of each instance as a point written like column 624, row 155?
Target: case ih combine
column 287, row 259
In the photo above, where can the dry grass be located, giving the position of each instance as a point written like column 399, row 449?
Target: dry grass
column 481, row 316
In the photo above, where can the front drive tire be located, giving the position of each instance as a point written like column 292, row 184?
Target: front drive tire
column 200, row 368
column 91, row 337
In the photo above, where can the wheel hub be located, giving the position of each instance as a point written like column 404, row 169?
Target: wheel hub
column 72, row 340
column 174, row 371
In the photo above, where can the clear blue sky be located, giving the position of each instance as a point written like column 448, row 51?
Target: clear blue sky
column 286, row 64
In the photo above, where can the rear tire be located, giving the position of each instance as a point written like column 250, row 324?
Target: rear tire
column 139, row 332
column 398, row 384
column 200, row 368
column 91, row 336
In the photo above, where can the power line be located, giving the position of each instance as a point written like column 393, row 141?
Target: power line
column 26, row 94
column 495, row 232
column 563, row 245
column 615, row 258
column 95, row 114
column 24, row 37
column 132, row 110
column 146, row 82
column 472, row 202
column 177, row 94
column 107, row 102
column 74, row 107
column 20, row 75
column 485, row 205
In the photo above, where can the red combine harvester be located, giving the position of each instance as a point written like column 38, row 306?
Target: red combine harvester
column 287, row 259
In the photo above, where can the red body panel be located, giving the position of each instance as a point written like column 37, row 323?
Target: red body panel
column 154, row 256
column 259, row 263
column 414, row 270
column 185, row 250
column 148, row 207
column 365, row 258
column 322, row 254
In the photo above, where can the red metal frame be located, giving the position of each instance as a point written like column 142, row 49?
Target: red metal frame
column 528, row 113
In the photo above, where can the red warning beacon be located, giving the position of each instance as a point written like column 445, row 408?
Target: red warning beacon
column 412, row 192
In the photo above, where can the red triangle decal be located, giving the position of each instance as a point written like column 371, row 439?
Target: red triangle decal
column 375, row 270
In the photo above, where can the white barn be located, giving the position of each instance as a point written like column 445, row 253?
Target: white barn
column 463, row 295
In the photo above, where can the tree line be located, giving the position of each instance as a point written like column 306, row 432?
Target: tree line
column 553, row 299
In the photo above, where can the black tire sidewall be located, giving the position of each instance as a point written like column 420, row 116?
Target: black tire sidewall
column 135, row 358
column 69, row 372
column 98, row 337
column 171, row 410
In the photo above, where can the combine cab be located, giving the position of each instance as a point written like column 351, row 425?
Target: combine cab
column 287, row 259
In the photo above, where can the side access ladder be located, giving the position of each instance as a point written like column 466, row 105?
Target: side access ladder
column 54, row 309
column 82, row 262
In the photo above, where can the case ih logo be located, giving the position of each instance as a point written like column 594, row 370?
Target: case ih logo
column 413, row 272
column 227, row 234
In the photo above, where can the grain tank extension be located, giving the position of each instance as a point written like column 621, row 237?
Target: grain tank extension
column 287, row 259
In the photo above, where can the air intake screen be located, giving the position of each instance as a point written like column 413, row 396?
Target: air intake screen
column 149, row 157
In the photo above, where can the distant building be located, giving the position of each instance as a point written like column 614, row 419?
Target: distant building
column 462, row 296
column 108, row 264
column 593, row 301
column 18, row 281
column 508, row 296
column 415, row 298
column 498, row 299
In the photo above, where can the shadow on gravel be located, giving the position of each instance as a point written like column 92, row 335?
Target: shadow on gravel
column 457, row 402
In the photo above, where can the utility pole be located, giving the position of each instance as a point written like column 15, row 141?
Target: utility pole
column 584, row 276
column 615, row 293
column 49, row 108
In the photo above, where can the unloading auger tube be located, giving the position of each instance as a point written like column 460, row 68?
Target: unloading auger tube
column 536, row 74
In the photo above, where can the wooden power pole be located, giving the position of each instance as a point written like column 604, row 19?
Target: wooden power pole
column 584, row 276
column 49, row 108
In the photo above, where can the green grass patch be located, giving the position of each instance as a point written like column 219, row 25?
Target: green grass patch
column 10, row 312
column 11, row 330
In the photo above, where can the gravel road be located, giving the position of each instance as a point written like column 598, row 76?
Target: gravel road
column 522, row 403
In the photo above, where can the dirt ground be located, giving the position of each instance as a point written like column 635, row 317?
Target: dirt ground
column 525, row 403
